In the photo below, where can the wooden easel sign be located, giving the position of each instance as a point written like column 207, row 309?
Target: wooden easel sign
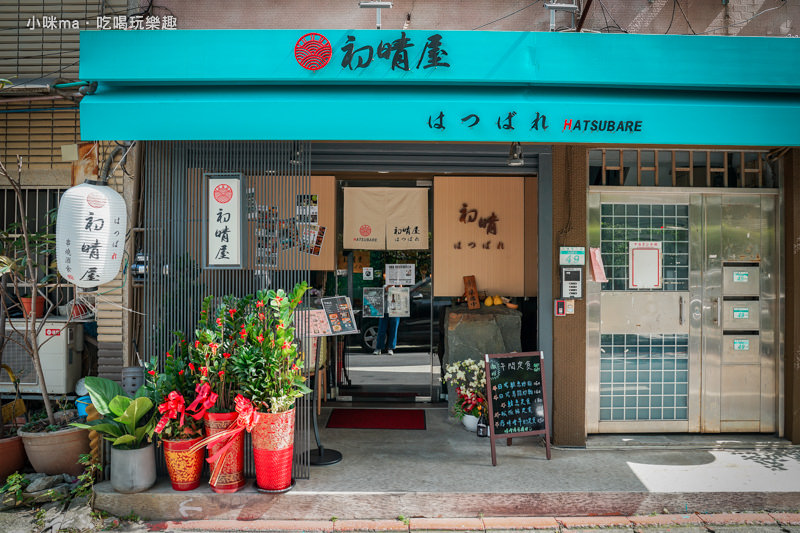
column 517, row 398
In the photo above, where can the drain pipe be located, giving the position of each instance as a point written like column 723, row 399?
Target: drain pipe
column 103, row 178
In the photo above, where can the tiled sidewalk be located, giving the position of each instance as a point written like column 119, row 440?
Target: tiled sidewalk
column 678, row 522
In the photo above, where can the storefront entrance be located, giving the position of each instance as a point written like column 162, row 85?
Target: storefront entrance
column 370, row 372
column 697, row 349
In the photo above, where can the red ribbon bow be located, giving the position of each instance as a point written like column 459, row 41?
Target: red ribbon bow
column 204, row 401
column 246, row 421
column 175, row 404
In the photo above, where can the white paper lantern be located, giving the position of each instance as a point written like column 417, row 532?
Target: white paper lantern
column 90, row 234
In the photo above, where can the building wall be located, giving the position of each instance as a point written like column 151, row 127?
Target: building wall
column 569, row 332
column 792, row 329
column 736, row 17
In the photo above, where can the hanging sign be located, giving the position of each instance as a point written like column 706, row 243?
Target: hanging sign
column 644, row 265
column 385, row 218
column 224, row 216
column 90, row 234
column 515, row 388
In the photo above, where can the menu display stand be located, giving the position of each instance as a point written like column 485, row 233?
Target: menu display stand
column 321, row 456
column 517, row 397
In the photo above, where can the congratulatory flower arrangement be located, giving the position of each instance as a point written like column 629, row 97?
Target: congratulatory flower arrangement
column 469, row 379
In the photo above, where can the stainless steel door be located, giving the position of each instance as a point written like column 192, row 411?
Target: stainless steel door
column 699, row 354
column 641, row 366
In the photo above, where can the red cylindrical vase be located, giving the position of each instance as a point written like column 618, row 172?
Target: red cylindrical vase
column 231, row 477
column 184, row 467
column 273, row 445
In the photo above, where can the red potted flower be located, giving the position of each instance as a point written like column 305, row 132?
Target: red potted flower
column 209, row 355
column 177, row 429
column 269, row 371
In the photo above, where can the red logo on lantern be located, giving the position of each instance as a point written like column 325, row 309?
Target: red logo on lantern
column 313, row 51
column 365, row 230
column 223, row 193
column 96, row 200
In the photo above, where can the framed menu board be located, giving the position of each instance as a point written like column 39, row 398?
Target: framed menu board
column 517, row 397
column 340, row 315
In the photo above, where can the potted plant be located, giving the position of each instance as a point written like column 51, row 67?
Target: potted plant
column 469, row 380
column 12, row 451
column 217, row 337
column 128, row 423
column 26, row 255
column 269, row 370
column 177, row 429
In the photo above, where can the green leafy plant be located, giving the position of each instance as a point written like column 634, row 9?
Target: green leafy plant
column 39, row 517
column 169, row 388
column 216, row 340
column 26, row 268
column 128, row 423
column 85, row 485
column 15, row 487
column 267, row 364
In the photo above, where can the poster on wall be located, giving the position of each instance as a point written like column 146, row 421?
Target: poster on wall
column 372, row 302
column 400, row 274
column 398, row 302
column 644, row 265
column 224, row 216
column 311, row 238
column 307, row 210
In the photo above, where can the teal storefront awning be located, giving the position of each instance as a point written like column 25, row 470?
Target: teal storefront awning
column 442, row 86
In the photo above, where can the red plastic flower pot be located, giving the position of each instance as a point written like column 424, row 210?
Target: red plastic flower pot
column 231, row 477
column 273, row 446
column 184, row 467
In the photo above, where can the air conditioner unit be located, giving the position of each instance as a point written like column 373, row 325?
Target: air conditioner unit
column 61, row 361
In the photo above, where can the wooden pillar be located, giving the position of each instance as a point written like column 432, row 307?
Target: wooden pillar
column 569, row 332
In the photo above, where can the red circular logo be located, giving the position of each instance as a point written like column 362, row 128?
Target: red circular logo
column 95, row 199
column 313, row 51
column 223, row 193
column 365, row 230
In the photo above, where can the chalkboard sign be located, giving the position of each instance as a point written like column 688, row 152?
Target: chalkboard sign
column 517, row 397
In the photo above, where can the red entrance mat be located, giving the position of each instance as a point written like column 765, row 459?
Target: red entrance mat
column 377, row 419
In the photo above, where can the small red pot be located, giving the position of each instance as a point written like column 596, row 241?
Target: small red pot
column 184, row 467
column 273, row 446
column 231, row 477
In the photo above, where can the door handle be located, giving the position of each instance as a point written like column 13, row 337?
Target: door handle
column 718, row 319
column 680, row 310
